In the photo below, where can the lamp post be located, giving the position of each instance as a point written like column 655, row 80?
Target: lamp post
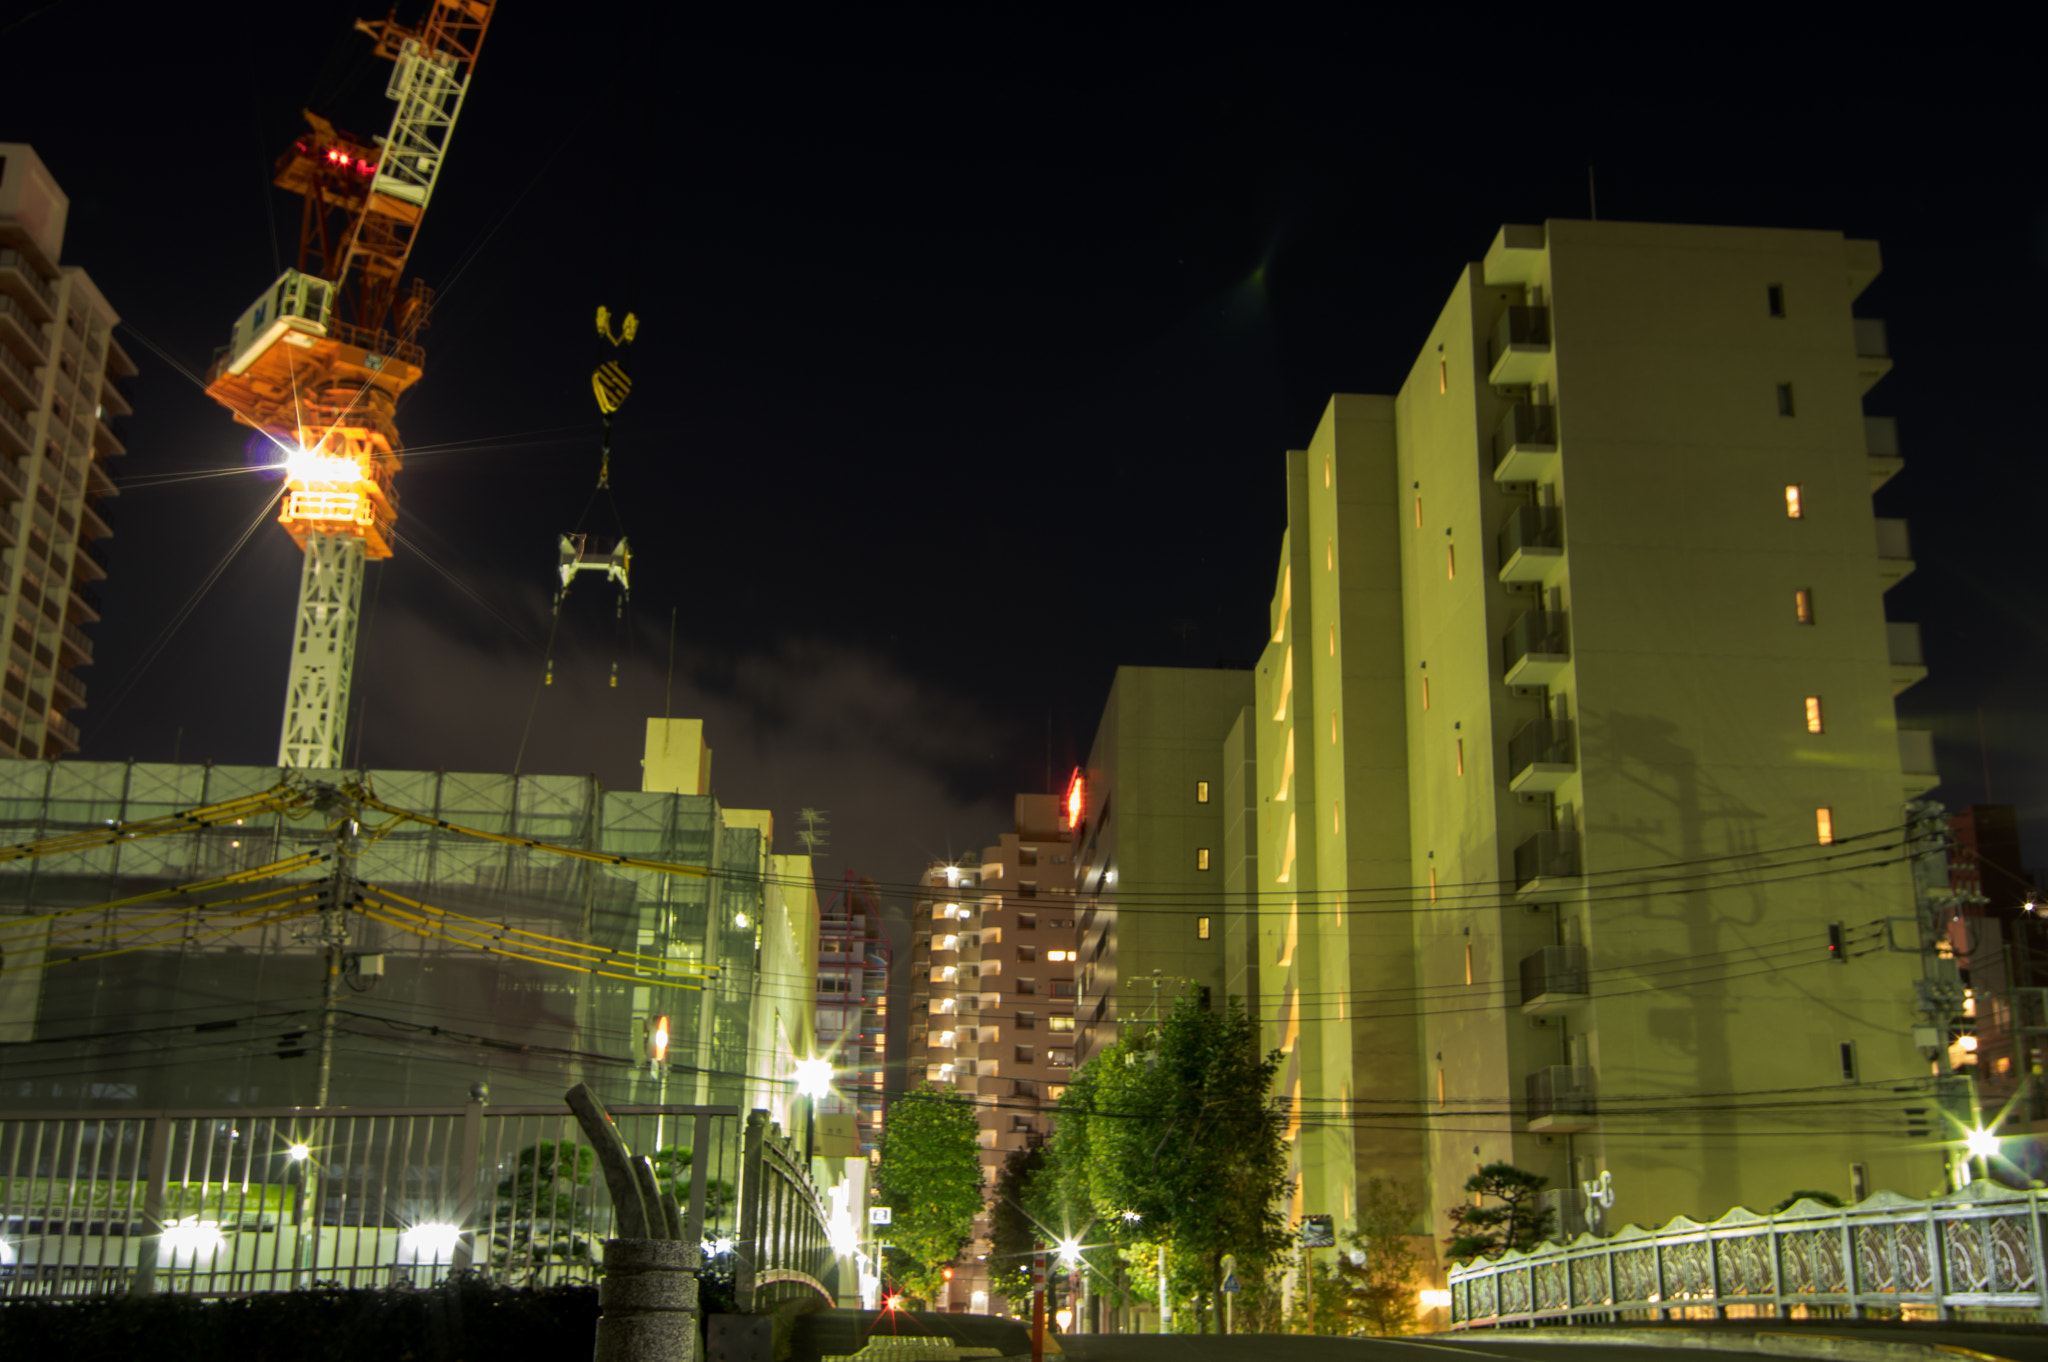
column 813, row 1080
column 1981, row 1145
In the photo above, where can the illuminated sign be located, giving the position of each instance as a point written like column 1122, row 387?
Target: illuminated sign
column 1077, row 800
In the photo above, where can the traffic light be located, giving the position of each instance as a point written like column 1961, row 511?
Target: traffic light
column 1835, row 951
column 654, row 1039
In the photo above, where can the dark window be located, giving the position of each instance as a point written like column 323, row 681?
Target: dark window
column 1784, row 399
column 1777, row 297
column 1026, row 1055
column 1027, row 855
column 1025, row 1021
column 1848, row 1061
column 1027, row 955
column 1027, row 921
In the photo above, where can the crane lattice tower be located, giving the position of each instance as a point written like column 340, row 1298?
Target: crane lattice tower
column 319, row 361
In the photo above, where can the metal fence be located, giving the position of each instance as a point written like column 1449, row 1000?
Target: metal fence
column 226, row 1203
column 784, row 1248
column 1977, row 1253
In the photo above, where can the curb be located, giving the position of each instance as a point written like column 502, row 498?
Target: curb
column 1827, row 1347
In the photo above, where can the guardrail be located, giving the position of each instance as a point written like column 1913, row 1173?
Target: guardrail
column 1975, row 1253
column 784, row 1249
column 220, row 1203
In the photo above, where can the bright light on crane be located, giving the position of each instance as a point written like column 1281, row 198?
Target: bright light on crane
column 304, row 465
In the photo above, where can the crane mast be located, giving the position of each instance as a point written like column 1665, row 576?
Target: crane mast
column 319, row 361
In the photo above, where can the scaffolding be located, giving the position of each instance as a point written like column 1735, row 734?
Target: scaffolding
column 221, row 1011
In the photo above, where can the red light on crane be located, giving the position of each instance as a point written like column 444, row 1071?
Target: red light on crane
column 1077, row 799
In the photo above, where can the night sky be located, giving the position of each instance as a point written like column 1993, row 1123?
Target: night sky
column 970, row 348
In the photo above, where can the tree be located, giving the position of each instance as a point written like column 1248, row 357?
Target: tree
column 541, row 1221
column 1519, row 1221
column 1170, row 1141
column 930, row 1178
column 1377, row 1274
column 672, row 1175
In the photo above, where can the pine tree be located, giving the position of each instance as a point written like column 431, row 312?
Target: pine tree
column 1519, row 1221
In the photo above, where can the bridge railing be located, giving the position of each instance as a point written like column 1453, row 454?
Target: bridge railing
column 784, row 1249
column 1977, row 1253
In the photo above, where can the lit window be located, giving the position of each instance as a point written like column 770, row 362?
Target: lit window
column 1418, row 512
column 1333, row 727
column 1439, row 1087
column 1326, row 470
column 1776, row 294
column 1461, row 756
column 1201, row 792
column 1425, row 693
column 1329, row 555
column 1201, row 929
column 1336, row 817
column 1432, row 884
column 1813, row 723
column 1452, row 560
column 1824, row 825
column 1201, row 858
column 1784, row 399
column 1443, row 375
column 1792, row 507
column 1333, row 640
column 1468, row 962
column 1802, row 605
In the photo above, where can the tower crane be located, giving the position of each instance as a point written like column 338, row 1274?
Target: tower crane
column 319, row 361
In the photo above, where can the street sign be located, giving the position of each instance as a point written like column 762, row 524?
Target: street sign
column 1230, row 1284
column 1318, row 1231
column 879, row 1215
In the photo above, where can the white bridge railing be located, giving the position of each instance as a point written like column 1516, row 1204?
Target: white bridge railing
column 1977, row 1253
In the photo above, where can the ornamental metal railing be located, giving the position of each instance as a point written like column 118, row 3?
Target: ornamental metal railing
column 221, row 1203
column 784, row 1249
column 1977, row 1253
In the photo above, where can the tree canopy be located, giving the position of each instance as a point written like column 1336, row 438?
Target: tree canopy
column 1519, row 1220
column 1168, row 1138
column 930, row 1178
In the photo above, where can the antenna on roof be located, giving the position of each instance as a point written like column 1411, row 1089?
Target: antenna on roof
column 816, row 832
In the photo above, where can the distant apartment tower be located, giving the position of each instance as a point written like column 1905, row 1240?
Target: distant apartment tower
column 1576, row 745
column 1164, row 847
column 993, row 946
column 2000, row 943
column 852, row 1005
column 58, row 363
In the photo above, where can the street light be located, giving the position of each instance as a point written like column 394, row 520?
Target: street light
column 1070, row 1252
column 299, row 1153
column 1981, row 1144
column 814, row 1078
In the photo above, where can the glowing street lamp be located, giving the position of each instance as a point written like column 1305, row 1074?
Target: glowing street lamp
column 1070, row 1252
column 814, row 1078
column 299, row 1153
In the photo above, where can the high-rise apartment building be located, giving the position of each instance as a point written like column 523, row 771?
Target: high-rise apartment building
column 58, row 363
column 993, row 947
column 852, row 1005
column 1576, row 750
column 1153, row 828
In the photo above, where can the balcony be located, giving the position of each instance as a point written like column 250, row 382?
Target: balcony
column 1552, row 978
column 1881, row 444
column 20, row 331
column 1525, row 443
column 88, row 565
column 106, row 444
column 17, row 438
column 68, row 688
column 61, row 732
column 1916, row 762
column 12, row 487
column 1545, row 862
column 18, row 382
column 84, row 604
column 28, row 286
column 1873, row 352
column 1902, row 644
column 1894, row 552
column 1534, row 650
column 1520, row 347
column 1561, row 1099
column 1540, row 757
column 1531, row 544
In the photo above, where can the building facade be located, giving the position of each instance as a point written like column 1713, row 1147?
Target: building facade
column 58, row 365
column 222, row 1006
column 1580, row 783
column 851, row 1008
column 1159, row 809
column 993, row 946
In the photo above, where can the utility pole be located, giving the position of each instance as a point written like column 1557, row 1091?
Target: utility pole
column 333, row 937
column 1938, row 993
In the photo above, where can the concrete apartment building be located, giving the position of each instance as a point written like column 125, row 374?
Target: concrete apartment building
column 993, row 947
column 58, row 363
column 1572, row 739
column 1577, row 735
column 852, row 1005
column 1153, row 846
